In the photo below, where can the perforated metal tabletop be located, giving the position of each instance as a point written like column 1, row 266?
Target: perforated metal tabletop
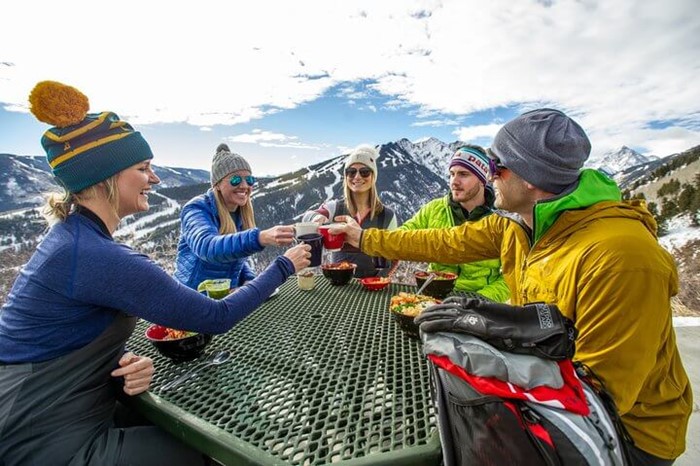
column 317, row 377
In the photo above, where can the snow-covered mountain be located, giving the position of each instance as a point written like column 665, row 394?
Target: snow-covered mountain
column 615, row 161
column 410, row 174
column 27, row 178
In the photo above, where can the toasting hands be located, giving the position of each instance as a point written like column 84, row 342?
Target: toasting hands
column 280, row 235
column 350, row 227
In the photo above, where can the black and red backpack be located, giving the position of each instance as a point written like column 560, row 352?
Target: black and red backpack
column 508, row 393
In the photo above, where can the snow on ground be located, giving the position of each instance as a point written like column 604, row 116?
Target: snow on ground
column 679, row 233
column 16, row 213
column 682, row 321
column 137, row 229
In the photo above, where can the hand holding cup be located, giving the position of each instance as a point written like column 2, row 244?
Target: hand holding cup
column 300, row 255
column 280, row 235
column 349, row 227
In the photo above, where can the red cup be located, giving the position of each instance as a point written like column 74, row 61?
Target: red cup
column 331, row 242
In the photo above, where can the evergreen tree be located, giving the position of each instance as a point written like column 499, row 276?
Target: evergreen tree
column 670, row 188
column 668, row 209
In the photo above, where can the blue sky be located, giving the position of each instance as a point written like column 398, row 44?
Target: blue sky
column 288, row 84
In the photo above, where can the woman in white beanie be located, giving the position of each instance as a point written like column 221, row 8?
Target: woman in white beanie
column 361, row 201
column 218, row 229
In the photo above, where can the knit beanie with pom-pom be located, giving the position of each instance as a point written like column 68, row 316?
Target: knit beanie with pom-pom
column 83, row 148
column 226, row 162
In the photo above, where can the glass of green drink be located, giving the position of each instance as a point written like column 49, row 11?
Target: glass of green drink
column 218, row 289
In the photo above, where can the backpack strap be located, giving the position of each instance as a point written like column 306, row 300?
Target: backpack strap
column 595, row 384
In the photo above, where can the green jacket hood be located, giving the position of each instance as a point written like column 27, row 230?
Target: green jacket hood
column 592, row 188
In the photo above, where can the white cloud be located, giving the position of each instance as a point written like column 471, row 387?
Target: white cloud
column 469, row 133
column 258, row 135
column 436, row 123
column 295, row 145
column 270, row 139
column 615, row 66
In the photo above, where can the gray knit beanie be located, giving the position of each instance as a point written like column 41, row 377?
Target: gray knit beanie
column 544, row 147
column 226, row 162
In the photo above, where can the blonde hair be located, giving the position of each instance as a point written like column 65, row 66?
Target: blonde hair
column 375, row 205
column 227, row 225
column 60, row 205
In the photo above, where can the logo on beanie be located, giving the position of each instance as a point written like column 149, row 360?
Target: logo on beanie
column 478, row 162
column 473, row 160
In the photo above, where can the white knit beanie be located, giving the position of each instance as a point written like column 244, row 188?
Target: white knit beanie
column 366, row 155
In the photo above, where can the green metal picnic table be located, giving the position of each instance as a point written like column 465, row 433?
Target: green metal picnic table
column 316, row 377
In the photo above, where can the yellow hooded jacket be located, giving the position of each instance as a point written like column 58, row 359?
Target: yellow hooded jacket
column 598, row 259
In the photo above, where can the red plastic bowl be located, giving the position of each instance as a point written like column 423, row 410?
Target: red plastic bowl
column 374, row 283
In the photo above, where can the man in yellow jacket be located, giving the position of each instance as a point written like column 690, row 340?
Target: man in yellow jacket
column 565, row 237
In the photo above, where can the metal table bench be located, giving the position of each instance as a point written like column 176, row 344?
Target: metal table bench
column 317, row 377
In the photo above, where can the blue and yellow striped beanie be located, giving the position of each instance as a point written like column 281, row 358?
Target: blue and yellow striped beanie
column 83, row 148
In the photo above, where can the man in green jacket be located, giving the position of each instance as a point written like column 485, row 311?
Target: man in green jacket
column 565, row 237
column 470, row 199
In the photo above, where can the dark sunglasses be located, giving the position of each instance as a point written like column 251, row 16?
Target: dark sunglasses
column 238, row 179
column 496, row 167
column 364, row 172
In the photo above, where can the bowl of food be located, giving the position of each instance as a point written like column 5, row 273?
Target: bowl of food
column 339, row 273
column 440, row 286
column 374, row 283
column 405, row 307
column 178, row 345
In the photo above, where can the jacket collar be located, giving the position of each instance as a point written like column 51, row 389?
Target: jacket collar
column 460, row 215
column 592, row 188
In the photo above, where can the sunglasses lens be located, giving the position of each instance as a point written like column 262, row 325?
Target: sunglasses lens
column 237, row 179
column 364, row 172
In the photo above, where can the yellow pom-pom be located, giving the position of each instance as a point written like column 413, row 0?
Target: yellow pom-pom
column 58, row 104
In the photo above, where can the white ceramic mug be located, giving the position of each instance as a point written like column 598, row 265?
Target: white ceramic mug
column 305, row 228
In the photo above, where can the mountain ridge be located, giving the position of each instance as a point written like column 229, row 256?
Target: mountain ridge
column 410, row 175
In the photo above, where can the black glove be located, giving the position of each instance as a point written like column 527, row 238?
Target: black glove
column 537, row 328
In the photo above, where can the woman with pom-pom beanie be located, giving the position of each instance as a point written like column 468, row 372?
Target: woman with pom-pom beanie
column 217, row 228
column 75, row 303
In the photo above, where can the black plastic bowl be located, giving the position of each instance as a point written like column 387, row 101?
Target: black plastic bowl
column 440, row 287
column 338, row 276
column 180, row 350
column 407, row 324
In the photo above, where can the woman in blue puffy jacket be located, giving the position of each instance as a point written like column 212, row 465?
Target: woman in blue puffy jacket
column 218, row 228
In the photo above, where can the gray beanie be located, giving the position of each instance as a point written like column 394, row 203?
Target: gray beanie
column 226, row 162
column 544, row 147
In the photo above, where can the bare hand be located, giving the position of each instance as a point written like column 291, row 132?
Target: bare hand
column 350, row 227
column 320, row 219
column 137, row 372
column 280, row 235
column 300, row 255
